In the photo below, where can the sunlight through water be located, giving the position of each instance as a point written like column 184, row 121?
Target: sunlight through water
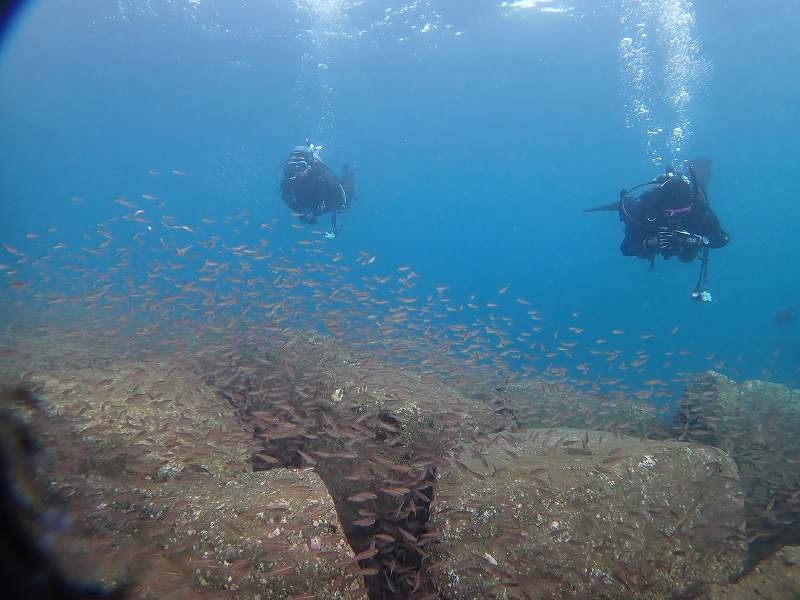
column 662, row 70
column 326, row 18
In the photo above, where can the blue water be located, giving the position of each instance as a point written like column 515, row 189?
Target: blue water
column 477, row 139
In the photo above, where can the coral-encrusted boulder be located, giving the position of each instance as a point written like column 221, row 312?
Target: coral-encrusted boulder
column 153, row 471
column 271, row 534
column 758, row 424
column 776, row 578
column 563, row 513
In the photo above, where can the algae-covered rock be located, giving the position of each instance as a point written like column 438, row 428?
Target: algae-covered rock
column 435, row 414
column 539, row 403
column 430, row 413
column 776, row 578
column 272, row 534
column 563, row 512
column 758, row 424
column 153, row 470
column 159, row 410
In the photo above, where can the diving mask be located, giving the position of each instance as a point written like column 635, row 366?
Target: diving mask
column 297, row 167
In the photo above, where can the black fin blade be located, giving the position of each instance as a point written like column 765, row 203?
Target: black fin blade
column 702, row 170
column 613, row 207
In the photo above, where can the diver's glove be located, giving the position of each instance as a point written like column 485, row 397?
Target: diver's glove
column 673, row 238
column 690, row 239
column 665, row 238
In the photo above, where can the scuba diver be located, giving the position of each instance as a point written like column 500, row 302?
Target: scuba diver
column 310, row 189
column 672, row 217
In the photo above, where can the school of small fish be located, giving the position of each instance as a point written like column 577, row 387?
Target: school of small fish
column 253, row 313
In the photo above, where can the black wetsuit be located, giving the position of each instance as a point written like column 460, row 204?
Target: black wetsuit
column 318, row 191
column 672, row 207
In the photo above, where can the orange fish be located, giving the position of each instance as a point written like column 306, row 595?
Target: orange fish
column 11, row 250
column 362, row 497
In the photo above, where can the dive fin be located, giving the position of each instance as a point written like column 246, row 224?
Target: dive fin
column 701, row 170
column 613, row 207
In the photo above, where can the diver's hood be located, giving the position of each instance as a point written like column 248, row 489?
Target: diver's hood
column 302, row 152
column 299, row 163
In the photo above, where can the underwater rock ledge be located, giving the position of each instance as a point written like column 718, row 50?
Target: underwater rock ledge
column 153, row 469
column 758, row 424
column 153, row 458
column 566, row 513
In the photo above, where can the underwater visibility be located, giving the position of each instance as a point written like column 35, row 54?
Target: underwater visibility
column 399, row 299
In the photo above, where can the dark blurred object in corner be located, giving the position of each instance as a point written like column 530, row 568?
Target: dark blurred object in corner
column 8, row 8
column 27, row 569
